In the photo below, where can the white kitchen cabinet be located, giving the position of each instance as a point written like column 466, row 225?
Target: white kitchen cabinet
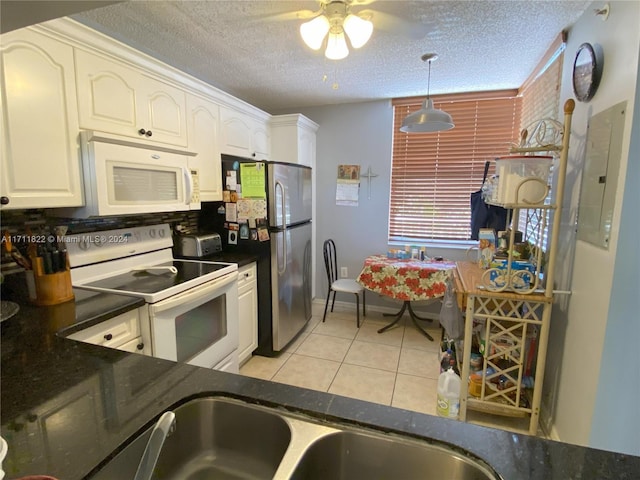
column 247, row 311
column 40, row 161
column 293, row 139
column 123, row 332
column 203, row 124
column 116, row 98
column 242, row 135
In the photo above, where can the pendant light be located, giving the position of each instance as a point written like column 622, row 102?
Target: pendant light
column 427, row 119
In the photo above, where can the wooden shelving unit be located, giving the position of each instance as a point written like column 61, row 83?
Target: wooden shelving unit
column 515, row 321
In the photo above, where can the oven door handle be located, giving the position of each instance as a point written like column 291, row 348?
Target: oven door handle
column 196, row 294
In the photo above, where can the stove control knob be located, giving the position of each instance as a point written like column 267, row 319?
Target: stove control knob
column 161, row 233
column 98, row 240
column 152, row 233
column 83, row 244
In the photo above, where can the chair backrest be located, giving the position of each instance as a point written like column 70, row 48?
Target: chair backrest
column 330, row 261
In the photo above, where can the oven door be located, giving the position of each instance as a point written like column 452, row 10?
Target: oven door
column 198, row 326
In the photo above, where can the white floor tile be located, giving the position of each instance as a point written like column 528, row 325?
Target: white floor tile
column 413, row 338
column 263, row 367
column 415, row 393
column 338, row 326
column 373, row 355
column 422, row 363
column 369, row 333
column 364, row 383
column 307, row 372
column 324, row 346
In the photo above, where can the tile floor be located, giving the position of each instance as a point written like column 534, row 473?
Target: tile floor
column 399, row 367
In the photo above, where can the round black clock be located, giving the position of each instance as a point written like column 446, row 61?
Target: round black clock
column 586, row 73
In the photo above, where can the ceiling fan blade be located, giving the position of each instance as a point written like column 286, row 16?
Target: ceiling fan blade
column 394, row 24
column 360, row 3
column 289, row 16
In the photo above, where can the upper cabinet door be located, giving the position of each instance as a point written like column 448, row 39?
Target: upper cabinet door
column 40, row 164
column 235, row 134
column 244, row 136
column 203, row 124
column 118, row 99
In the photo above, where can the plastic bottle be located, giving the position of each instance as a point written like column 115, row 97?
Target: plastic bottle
column 448, row 404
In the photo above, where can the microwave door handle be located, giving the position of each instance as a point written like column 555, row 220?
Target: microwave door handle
column 284, row 230
column 189, row 185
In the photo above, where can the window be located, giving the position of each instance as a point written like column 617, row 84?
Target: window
column 541, row 99
column 434, row 174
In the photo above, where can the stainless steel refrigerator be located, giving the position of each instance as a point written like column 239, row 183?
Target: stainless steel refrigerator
column 284, row 259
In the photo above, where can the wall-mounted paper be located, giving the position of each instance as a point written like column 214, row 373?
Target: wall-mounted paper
column 347, row 193
column 252, row 178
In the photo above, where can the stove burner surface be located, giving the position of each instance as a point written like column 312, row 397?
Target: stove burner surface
column 156, row 280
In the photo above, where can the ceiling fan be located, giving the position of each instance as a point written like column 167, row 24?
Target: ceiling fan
column 338, row 20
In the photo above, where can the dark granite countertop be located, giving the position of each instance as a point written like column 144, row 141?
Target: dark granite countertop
column 67, row 406
column 241, row 259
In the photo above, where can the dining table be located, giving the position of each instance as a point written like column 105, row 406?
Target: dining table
column 408, row 280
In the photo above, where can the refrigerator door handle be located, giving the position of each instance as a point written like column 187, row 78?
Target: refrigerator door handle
column 282, row 268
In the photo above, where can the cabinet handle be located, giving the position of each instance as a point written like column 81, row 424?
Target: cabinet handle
column 140, row 346
column 149, row 133
column 108, row 337
column 142, row 131
column 4, row 200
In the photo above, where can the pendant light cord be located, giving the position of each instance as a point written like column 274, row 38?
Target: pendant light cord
column 429, row 80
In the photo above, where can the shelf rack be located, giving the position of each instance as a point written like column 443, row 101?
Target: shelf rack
column 516, row 321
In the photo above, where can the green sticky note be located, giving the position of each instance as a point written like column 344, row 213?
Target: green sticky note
column 252, row 179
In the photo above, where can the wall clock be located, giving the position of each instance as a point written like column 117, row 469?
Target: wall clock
column 587, row 69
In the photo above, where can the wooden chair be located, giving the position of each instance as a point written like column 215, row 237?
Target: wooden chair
column 345, row 285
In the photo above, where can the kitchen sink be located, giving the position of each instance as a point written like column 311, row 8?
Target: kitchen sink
column 213, row 438
column 225, row 438
column 355, row 455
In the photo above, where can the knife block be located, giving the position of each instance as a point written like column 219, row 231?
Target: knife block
column 51, row 288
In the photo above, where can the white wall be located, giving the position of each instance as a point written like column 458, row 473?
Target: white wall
column 581, row 322
column 357, row 133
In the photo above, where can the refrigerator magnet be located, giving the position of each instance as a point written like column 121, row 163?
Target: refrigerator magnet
column 231, row 214
column 244, row 231
column 253, row 234
column 234, row 197
column 263, row 234
column 231, row 179
column 226, row 196
column 233, row 237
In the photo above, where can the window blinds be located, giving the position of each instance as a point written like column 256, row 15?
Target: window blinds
column 433, row 174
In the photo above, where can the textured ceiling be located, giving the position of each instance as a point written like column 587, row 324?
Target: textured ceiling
column 246, row 48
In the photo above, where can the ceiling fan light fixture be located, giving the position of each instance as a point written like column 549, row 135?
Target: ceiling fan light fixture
column 358, row 30
column 427, row 119
column 336, row 46
column 314, row 31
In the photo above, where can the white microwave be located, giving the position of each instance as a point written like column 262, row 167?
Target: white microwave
column 124, row 177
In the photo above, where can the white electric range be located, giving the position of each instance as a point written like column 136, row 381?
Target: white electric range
column 192, row 305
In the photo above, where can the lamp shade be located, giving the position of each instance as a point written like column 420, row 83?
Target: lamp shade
column 358, row 29
column 336, row 47
column 314, row 31
column 427, row 119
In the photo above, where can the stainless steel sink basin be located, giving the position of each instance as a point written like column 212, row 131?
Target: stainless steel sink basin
column 213, row 438
column 228, row 439
column 351, row 455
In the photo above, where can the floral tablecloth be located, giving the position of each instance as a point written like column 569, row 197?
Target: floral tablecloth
column 405, row 279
